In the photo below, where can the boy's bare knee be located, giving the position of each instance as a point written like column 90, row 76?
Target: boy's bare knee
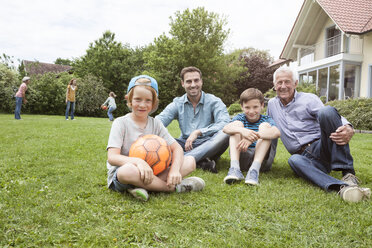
column 126, row 173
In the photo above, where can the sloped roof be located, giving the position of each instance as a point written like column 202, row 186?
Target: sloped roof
column 35, row 67
column 351, row 16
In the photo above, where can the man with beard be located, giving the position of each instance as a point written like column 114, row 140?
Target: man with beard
column 201, row 117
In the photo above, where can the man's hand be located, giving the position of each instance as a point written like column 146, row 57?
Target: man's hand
column 193, row 136
column 343, row 135
column 146, row 173
column 174, row 178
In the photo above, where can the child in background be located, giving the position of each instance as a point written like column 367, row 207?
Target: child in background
column 70, row 98
column 251, row 135
column 134, row 174
column 110, row 102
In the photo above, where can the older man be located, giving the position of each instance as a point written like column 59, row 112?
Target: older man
column 201, row 118
column 316, row 136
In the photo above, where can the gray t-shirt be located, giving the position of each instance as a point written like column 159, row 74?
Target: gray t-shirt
column 124, row 132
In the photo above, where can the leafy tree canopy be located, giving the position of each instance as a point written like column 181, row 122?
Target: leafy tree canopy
column 256, row 73
column 196, row 39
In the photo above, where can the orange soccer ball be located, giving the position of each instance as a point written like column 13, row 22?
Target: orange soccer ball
column 104, row 107
column 154, row 150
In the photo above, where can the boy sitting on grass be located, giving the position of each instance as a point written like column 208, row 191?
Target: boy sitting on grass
column 134, row 174
column 251, row 135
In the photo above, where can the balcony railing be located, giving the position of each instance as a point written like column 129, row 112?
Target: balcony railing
column 331, row 47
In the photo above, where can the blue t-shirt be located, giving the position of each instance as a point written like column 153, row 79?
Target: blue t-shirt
column 253, row 125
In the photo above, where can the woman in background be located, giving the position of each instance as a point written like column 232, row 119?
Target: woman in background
column 70, row 98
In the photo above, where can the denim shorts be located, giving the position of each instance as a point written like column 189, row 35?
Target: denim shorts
column 118, row 186
column 246, row 159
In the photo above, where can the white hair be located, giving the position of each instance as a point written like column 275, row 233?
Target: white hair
column 285, row 69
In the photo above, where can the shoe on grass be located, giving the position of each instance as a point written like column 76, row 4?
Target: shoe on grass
column 350, row 179
column 252, row 177
column 190, row 184
column 234, row 175
column 353, row 193
column 139, row 193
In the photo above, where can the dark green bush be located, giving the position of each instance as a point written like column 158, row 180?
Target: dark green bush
column 47, row 94
column 9, row 84
column 357, row 111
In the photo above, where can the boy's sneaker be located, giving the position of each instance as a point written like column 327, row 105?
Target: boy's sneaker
column 190, row 184
column 351, row 179
column 234, row 175
column 139, row 193
column 252, row 177
column 353, row 193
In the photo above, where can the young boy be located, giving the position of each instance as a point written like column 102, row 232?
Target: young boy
column 134, row 174
column 250, row 139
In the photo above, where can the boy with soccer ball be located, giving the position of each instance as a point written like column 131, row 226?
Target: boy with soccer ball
column 251, row 136
column 134, row 174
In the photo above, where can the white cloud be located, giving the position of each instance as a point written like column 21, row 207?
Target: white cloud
column 45, row 30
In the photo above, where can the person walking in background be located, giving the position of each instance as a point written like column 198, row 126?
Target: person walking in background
column 110, row 103
column 70, row 98
column 21, row 97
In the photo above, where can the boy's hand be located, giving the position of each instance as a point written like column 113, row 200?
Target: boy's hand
column 250, row 135
column 174, row 178
column 146, row 173
column 243, row 145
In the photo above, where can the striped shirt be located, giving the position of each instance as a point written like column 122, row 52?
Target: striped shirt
column 253, row 126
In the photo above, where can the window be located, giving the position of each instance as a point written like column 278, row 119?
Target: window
column 333, row 41
column 351, row 81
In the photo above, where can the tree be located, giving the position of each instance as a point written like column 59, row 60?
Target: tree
column 112, row 63
column 109, row 61
column 196, row 39
column 60, row 61
column 256, row 73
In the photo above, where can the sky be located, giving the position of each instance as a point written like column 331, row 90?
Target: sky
column 44, row 30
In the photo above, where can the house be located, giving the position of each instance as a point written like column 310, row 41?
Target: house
column 331, row 42
column 36, row 68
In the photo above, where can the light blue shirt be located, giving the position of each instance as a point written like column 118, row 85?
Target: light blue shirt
column 297, row 121
column 210, row 115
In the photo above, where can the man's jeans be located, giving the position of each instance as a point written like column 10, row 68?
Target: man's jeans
column 323, row 155
column 17, row 112
column 209, row 147
column 109, row 113
column 72, row 104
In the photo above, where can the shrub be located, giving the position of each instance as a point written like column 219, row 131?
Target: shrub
column 9, row 84
column 90, row 95
column 47, row 94
column 234, row 108
column 357, row 111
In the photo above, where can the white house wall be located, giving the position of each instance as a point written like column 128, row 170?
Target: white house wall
column 367, row 61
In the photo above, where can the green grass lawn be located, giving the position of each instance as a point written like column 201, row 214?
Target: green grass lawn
column 53, row 194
